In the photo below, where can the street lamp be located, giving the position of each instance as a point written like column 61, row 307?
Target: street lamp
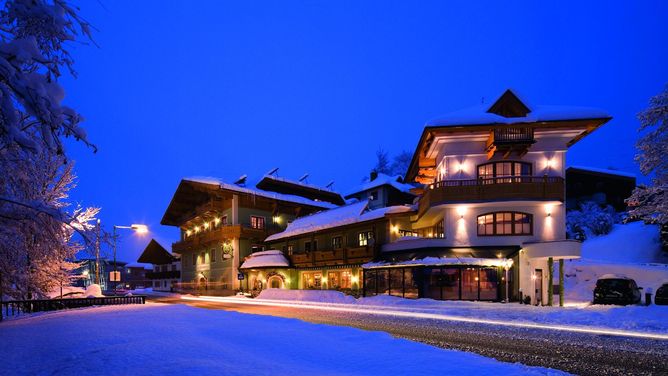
column 140, row 229
column 507, row 264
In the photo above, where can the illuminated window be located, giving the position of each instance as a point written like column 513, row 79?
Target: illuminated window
column 505, row 223
column 488, row 171
column 257, row 222
column 312, row 280
column 291, row 248
column 365, row 238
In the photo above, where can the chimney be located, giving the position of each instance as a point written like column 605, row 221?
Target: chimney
column 373, row 175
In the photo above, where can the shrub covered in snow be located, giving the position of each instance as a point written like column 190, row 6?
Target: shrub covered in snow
column 93, row 291
column 591, row 219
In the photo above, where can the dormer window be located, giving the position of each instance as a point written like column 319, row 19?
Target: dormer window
column 373, row 195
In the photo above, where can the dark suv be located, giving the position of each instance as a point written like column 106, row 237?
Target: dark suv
column 661, row 297
column 616, row 290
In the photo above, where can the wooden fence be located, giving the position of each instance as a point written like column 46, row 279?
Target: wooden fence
column 18, row 307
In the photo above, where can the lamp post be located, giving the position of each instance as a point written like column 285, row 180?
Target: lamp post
column 140, row 229
column 506, row 266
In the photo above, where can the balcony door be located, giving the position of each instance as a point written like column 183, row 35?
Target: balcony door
column 503, row 172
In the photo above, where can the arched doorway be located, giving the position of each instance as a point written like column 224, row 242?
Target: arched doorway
column 275, row 282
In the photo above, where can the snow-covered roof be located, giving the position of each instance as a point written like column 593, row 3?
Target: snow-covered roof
column 604, row 171
column 270, row 258
column 296, row 182
column 344, row 215
column 380, row 180
column 478, row 115
column 442, row 261
column 260, row 192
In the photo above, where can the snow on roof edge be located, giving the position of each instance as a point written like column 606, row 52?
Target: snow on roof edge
column 605, row 171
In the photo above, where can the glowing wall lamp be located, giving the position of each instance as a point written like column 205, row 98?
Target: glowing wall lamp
column 548, row 210
column 461, row 211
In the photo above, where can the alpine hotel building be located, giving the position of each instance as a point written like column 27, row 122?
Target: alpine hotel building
column 479, row 215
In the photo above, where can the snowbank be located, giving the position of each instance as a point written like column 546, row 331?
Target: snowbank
column 631, row 242
column 321, row 296
column 241, row 344
column 93, row 291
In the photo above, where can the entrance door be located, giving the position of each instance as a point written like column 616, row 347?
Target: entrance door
column 538, row 286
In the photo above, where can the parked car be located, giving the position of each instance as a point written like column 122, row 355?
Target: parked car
column 614, row 289
column 661, row 297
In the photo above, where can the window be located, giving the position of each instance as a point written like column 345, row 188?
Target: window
column 403, row 233
column 373, row 195
column 311, row 246
column 291, row 248
column 257, row 222
column 312, row 280
column 365, row 238
column 435, row 231
column 173, row 267
column 501, row 169
column 202, row 258
column 194, row 259
column 505, row 223
column 337, row 242
column 346, row 279
column 213, row 255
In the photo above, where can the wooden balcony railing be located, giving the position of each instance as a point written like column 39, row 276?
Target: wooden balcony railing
column 210, row 236
column 493, row 189
column 341, row 256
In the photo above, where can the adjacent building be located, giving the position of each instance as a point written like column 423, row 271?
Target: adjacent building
column 221, row 223
column 165, row 272
column 603, row 186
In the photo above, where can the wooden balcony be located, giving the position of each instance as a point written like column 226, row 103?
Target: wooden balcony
column 331, row 257
column 226, row 232
column 540, row 188
column 508, row 140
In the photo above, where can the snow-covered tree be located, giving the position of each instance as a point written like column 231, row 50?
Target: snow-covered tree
column 650, row 203
column 37, row 240
column 36, row 228
column 400, row 163
column 590, row 220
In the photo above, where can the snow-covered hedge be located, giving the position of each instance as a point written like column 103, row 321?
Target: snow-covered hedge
column 590, row 220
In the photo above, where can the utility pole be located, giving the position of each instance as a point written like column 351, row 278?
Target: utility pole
column 114, row 260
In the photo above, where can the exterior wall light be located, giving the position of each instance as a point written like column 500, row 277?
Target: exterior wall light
column 395, row 229
column 276, row 219
column 461, row 211
column 354, row 279
column 216, row 220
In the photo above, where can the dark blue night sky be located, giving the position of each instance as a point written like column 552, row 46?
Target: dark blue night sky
column 226, row 88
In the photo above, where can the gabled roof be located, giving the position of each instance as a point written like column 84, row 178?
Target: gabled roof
column 508, row 109
column 509, row 105
column 195, row 191
column 395, row 182
column 156, row 254
column 345, row 215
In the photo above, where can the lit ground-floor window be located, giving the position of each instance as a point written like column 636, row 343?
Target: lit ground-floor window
column 312, row 280
column 441, row 283
column 337, row 280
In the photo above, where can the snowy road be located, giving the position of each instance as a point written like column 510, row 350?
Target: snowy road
column 580, row 353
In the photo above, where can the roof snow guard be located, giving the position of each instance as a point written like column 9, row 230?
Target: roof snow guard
column 266, row 259
column 281, row 185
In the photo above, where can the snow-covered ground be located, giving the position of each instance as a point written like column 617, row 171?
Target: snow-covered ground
column 644, row 319
column 177, row 339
